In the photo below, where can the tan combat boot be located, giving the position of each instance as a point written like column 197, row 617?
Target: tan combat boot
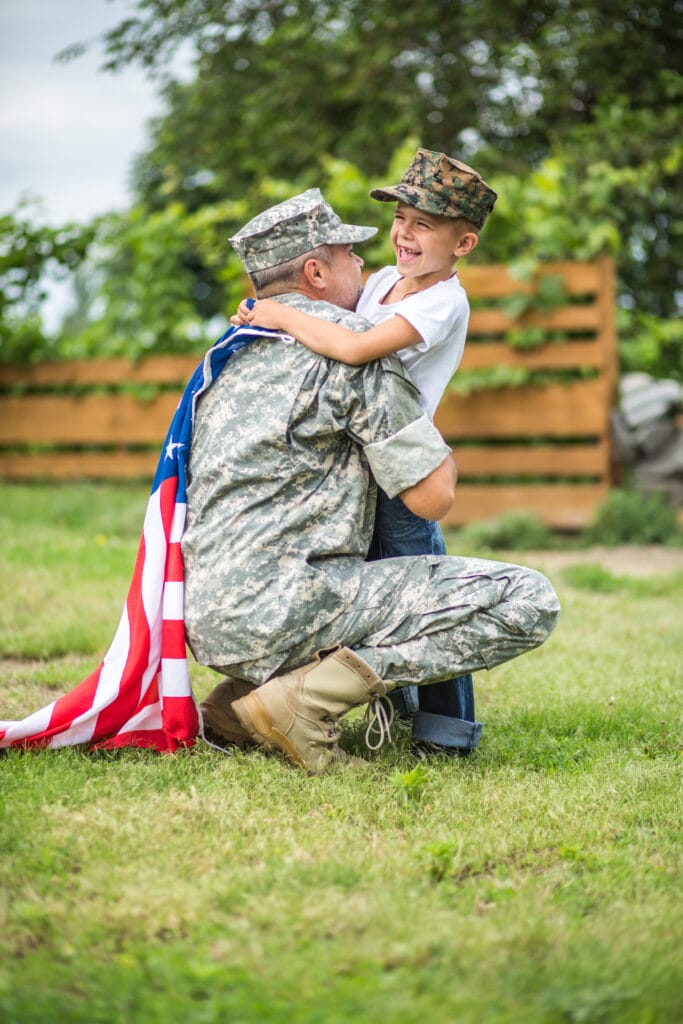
column 220, row 727
column 297, row 713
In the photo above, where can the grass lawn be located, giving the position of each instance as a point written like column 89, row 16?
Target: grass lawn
column 536, row 881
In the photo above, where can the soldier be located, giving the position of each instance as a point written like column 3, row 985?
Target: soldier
column 420, row 312
column 287, row 450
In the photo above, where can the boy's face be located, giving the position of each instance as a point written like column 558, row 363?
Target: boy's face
column 427, row 245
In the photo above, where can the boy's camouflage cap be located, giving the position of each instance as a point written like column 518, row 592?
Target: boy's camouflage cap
column 441, row 185
column 291, row 229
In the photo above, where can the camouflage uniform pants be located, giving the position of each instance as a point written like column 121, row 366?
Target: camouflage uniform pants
column 421, row 619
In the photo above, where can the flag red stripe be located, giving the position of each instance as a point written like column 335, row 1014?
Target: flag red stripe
column 174, row 564
column 173, row 638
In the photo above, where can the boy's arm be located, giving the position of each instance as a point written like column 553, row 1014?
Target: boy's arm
column 330, row 339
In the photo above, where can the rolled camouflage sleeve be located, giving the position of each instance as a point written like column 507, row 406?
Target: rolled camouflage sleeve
column 383, row 415
column 406, row 457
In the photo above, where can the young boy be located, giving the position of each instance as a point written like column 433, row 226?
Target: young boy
column 420, row 311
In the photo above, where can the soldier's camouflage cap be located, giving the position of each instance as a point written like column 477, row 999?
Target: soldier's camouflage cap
column 293, row 228
column 441, row 185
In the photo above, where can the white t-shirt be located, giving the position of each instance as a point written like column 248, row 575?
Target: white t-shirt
column 440, row 315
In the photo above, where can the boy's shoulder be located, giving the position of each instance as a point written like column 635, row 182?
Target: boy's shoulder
column 449, row 294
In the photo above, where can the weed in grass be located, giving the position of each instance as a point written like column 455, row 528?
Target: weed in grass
column 411, row 785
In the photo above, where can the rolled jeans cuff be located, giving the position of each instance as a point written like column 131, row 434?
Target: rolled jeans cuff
column 445, row 731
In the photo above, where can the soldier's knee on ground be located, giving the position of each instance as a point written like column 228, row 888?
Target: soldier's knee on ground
column 544, row 599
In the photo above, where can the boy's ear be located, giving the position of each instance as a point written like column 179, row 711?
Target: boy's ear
column 466, row 243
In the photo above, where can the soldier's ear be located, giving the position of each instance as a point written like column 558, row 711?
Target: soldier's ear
column 315, row 274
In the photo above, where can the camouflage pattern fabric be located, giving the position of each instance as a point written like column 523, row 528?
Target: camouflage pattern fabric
column 422, row 619
column 441, row 185
column 293, row 228
column 281, row 502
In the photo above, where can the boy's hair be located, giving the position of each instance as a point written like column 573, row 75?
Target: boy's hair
column 442, row 185
column 465, row 224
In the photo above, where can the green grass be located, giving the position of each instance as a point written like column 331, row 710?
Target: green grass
column 537, row 881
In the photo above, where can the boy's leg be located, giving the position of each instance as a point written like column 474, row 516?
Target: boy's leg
column 442, row 713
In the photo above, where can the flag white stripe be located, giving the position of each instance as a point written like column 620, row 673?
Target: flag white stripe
column 152, row 583
column 174, row 597
column 37, row 722
column 112, row 668
column 175, row 679
column 178, row 524
column 146, row 718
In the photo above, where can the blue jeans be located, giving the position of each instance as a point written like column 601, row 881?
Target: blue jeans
column 442, row 713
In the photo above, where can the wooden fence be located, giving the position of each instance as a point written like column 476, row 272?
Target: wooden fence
column 542, row 447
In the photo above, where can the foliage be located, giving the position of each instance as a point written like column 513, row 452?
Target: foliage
column 167, row 281
column 597, row 580
column 506, row 80
column 571, row 111
column 276, row 84
column 650, row 344
column 513, row 531
column 631, row 517
column 197, row 887
column 30, row 255
column 154, row 281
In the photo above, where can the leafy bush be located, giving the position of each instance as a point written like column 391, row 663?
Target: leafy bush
column 166, row 280
column 518, row 531
column 631, row 517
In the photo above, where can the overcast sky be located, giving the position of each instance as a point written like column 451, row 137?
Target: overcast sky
column 68, row 133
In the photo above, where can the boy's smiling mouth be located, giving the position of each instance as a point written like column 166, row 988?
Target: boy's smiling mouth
column 407, row 254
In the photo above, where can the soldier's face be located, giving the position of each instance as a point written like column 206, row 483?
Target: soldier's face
column 345, row 283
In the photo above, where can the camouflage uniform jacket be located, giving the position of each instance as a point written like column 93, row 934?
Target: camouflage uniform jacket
column 281, row 493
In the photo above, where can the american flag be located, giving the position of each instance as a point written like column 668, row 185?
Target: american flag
column 140, row 695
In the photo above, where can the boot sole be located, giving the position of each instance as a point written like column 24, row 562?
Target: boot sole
column 254, row 717
column 224, row 727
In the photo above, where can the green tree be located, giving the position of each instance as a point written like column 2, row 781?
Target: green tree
column 278, row 83
column 30, row 255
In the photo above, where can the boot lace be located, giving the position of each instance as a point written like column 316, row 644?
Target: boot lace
column 379, row 714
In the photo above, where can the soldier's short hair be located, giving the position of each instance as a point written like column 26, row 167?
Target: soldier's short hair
column 288, row 273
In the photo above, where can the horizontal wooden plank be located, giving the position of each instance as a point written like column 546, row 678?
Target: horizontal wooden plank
column 496, row 281
column 155, row 370
column 88, row 419
column 576, row 409
column 579, row 409
column 534, row 460
column 563, row 318
column 569, row 355
column 116, row 465
column 476, row 461
column 563, row 506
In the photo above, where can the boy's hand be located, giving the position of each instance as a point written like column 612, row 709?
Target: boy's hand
column 244, row 314
column 264, row 313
